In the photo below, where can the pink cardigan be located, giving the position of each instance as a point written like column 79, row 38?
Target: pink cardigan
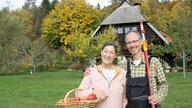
column 115, row 90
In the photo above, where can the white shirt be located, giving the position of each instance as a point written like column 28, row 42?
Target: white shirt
column 109, row 74
column 137, row 62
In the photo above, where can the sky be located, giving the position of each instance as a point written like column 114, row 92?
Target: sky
column 15, row 4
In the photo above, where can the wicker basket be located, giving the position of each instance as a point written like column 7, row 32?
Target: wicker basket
column 69, row 103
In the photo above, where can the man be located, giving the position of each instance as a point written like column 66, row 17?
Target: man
column 137, row 90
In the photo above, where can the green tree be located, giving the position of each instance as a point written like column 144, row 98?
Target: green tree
column 87, row 48
column 41, row 54
column 180, row 30
column 53, row 3
column 29, row 4
column 39, row 13
column 37, row 53
column 12, row 36
column 98, row 6
column 106, row 11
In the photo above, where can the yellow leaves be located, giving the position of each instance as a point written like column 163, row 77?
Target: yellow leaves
column 180, row 10
column 25, row 16
column 80, row 53
column 68, row 51
column 68, row 17
column 61, row 28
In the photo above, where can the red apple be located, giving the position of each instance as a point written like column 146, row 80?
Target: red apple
column 91, row 97
column 77, row 98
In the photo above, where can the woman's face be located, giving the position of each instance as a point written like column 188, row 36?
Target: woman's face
column 108, row 54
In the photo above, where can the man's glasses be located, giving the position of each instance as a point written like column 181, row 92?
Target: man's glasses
column 132, row 42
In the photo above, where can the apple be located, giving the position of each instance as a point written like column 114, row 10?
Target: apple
column 91, row 97
column 77, row 98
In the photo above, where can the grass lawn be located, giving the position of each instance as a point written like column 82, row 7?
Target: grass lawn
column 180, row 91
column 20, row 90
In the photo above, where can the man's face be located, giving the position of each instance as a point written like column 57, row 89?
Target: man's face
column 133, row 43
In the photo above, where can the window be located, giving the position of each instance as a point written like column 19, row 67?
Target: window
column 127, row 29
column 120, row 30
column 134, row 28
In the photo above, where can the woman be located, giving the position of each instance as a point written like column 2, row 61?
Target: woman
column 107, row 79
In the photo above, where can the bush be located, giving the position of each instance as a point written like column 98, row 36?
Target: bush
column 82, row 64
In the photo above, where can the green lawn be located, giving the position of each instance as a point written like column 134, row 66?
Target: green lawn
column 20, row 90
column 180, row 91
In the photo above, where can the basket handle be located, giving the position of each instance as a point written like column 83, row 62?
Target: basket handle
column 69, row 92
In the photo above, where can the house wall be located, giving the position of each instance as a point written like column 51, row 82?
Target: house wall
column 122, row 29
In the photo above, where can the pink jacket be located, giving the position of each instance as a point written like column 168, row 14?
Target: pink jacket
column 115, row 90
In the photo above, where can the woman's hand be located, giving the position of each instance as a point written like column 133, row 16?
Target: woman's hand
column 100, row 94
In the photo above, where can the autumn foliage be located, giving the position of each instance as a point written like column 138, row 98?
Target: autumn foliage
column 68, row 17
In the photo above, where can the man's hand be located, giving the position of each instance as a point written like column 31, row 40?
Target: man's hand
column 87, row 71
column 153, row 99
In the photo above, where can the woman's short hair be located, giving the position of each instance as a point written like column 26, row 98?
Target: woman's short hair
column 110, row 44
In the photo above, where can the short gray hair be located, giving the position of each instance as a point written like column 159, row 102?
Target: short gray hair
column 134, row 31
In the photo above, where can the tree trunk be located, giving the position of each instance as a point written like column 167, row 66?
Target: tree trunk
column 184, row 63
column 34, row 71
column 34, row 67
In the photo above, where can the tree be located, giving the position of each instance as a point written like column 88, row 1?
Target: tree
column 106, row 11
column 87, row 48
column 37, row 53
column 174, row 18
column 33, row 19
column 98, row 6
column 12, row 36
column 29, row 4
column 26, row 17
column 180, row 30
column 41, row 54
column 68, row 15
column 38, row 14
column 53, row 3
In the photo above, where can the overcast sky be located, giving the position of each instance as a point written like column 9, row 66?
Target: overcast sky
column 14, row 4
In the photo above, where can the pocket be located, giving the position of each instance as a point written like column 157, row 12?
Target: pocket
column 137, row 82
column 137, row 87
